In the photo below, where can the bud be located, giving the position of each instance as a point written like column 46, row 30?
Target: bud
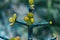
column 30, row 15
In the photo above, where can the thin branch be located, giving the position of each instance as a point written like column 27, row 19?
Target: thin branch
column 40, row 24
column 21, row 23
column 4, row 38
column 53, row 38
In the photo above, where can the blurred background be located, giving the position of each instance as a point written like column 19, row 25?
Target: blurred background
column 45, row 10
